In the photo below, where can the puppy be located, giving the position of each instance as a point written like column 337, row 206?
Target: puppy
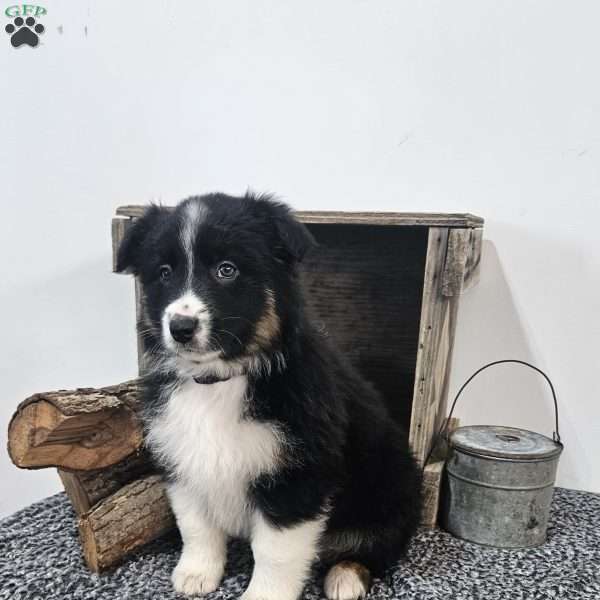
column 262, row 429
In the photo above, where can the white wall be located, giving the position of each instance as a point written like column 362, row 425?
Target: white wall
column 481, row 106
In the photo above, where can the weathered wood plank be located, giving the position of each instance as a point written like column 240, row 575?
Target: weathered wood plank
column 436, row 338
column 118, row 228
column 459, row 244
column 461, row 269
column 391, row 218
column 443, row 364
column 473, row 264
column 432, row 481
column 421, row 427
column 361, row 218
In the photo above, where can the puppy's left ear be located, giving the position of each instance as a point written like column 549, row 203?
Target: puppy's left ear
column 131, row 249
column 296, row 239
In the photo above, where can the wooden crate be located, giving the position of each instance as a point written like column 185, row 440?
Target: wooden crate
column 387, row 287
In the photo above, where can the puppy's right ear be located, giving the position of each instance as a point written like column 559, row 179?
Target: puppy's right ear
column 131, row 249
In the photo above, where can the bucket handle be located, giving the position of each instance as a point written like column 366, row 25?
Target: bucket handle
column 555, row 435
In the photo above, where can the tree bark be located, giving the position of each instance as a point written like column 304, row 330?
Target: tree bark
column 86, row 488
column 136, row 514
column 94, row 438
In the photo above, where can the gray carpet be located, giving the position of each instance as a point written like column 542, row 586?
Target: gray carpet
column 40, row 559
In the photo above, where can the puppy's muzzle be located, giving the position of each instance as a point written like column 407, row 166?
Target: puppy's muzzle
column 183, row 328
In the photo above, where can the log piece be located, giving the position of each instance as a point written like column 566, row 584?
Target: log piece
column 135, row 515
column 86, row 488
column 78, row 429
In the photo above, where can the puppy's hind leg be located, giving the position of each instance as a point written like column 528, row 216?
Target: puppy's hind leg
column 347, row 580
column 202, row 562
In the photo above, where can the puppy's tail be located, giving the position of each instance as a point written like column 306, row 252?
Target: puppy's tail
column 347, row 580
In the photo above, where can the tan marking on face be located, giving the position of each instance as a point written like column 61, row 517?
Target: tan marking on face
column 268, row 326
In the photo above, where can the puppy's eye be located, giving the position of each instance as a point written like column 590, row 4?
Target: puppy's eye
column 165, row 272
column 227, row 270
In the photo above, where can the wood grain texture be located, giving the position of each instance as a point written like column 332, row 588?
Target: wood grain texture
column 456, row 259
column 135, row 515
column 86, row 488
column 359, row 218
column 118, row 228
column 463, row 257
column 363, row 286
column 432, row 481
column 473, row 264
column 78, row 429
column 436, row 339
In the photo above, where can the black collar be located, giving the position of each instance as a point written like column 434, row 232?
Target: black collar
column 209, row 379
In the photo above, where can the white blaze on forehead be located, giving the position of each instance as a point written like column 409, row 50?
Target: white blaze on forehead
column 194, row 213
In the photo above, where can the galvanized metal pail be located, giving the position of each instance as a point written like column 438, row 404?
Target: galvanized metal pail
column 499, row 481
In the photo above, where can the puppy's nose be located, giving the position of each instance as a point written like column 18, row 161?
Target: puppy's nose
column 182, row 328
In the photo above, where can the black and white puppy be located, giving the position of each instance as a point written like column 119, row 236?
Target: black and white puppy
column 262, row 428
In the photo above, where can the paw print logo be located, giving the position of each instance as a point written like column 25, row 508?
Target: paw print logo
column 24, row 32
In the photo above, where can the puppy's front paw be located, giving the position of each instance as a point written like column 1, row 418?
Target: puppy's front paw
column 195, row 579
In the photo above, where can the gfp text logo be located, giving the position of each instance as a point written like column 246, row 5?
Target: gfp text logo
column 24, row 29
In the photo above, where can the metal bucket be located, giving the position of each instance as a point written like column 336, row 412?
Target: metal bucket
column 499, row 481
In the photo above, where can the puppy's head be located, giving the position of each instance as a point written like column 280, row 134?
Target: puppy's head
column 217, row 274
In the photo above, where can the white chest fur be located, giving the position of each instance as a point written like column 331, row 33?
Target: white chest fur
column 213, row 451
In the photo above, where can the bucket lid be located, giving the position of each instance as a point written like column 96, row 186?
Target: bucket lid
column 504, row 442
